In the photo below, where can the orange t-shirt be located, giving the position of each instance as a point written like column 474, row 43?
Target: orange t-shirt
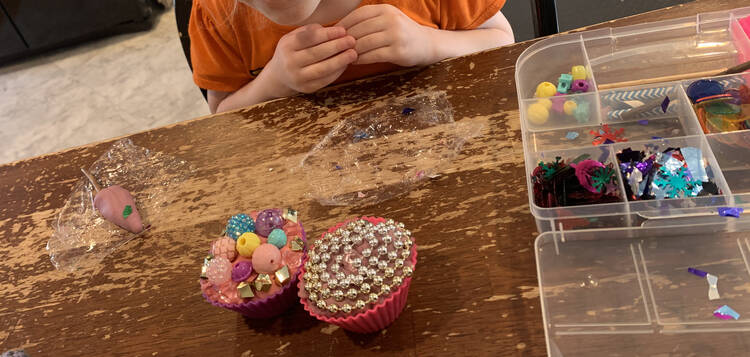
column 231, row 42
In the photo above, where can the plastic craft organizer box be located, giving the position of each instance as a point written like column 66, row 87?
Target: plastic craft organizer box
column 626, row 291
column 705, row 43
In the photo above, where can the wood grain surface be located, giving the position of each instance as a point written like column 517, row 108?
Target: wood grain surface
column 475, row 288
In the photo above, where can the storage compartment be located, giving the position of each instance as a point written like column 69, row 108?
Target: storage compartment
column 628, row 292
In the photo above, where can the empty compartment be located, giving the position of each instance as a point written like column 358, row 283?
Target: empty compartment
column 662, row 52
column 721, row 104
column 574, row 183
column 732, row 151
column 670, row 176
column 591, row 285
column 681, row 298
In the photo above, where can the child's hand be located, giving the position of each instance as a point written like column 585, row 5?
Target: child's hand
column 385, row 34
column 309, row 58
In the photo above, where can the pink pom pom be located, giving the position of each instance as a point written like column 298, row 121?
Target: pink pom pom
column 584, row 170
column 224, row 247
column 266, row 258
column 219, row 270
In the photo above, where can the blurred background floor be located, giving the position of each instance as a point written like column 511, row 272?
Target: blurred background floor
column 96, row 90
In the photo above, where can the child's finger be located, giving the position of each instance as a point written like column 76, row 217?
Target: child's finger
column 331, row 65
column 364, row 28
column 324, row 50
column 361, row 14
column 313, row 35
column 372, row 42
column 382, row 54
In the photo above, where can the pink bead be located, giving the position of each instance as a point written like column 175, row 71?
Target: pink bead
column 266, row 258
column 219, row 270
column 292, row 230
column 224, row 247
column 291, row 258
column 558, row 103
column 210, row 290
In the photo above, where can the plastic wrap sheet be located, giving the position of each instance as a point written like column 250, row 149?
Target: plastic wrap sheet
column 385, row 150
column 82, row 237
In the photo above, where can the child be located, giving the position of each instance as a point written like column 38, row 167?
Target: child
column 249, row 51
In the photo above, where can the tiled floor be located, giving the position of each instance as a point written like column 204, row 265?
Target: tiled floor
column 91, row 92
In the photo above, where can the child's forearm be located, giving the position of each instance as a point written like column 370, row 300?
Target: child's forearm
column 447, row 44
column 261, row 89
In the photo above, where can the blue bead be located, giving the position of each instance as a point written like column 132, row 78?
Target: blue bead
column 704, row 88
column 277, row 237
column 563, row 84
column 238, row 224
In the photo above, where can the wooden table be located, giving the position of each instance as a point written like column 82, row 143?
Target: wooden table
column 475, row 291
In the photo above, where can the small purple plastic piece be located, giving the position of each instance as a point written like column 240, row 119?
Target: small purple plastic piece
column 665, row 104
column 698, row 272
column 730, row 211
column 408, row 111
column 580, row 86
column 242, row 271
column 643, row 122
column 267, row 221
column 723, row 317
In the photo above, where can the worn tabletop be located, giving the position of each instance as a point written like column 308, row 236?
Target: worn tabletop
column 475, row 288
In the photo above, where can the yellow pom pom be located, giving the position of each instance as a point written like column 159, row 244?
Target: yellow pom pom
column 247, row 243
column 545, row 102
column 578, row 72
column 569, row 107
column 538, row 113
column 545, row 89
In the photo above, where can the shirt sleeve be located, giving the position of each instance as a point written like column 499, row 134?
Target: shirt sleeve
column 217, row 63
column 467, row 14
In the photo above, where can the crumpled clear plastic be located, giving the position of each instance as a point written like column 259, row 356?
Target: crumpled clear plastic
column 82, row 237
column 386, row 150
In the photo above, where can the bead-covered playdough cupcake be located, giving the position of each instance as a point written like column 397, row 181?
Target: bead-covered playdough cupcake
column 254, row 268
column 358, row 274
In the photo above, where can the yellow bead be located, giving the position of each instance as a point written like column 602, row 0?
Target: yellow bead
column 545, row 89
column 545, row 102
column 247, row 243
column 578, row 72
column 538, row 113
column 569, row 107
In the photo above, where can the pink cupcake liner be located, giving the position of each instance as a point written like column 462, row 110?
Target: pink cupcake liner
column 375, row 318
column 273, row 305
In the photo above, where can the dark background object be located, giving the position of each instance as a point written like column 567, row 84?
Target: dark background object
column 31, row 27
column 536, row 18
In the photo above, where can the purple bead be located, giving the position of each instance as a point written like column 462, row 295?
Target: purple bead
column 698, row 272
column 242, row 271
column 267, row 221
column 580, row 86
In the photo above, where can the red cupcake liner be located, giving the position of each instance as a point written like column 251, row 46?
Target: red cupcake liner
column 375, row 318
column 273, row 305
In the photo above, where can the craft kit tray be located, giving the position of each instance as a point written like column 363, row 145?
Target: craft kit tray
column 645, row 114
column 635, row 139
